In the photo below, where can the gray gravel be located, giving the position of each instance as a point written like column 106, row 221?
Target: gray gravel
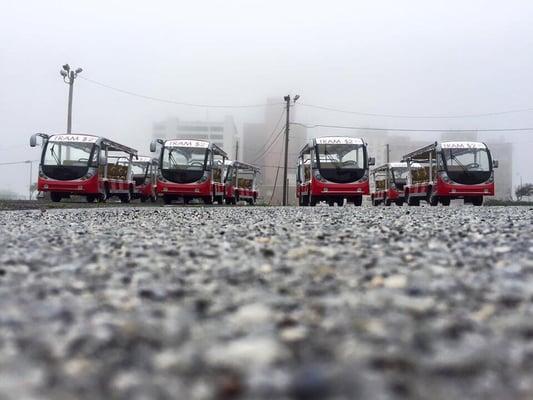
column 267, row 303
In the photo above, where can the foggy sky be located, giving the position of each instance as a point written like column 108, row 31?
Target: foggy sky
column 395, row 57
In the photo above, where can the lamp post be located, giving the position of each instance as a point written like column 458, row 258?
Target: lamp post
column 69, row 75
column 288, row 105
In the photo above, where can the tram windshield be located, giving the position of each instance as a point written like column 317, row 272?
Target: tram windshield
column 183, row 164
column 341, row 162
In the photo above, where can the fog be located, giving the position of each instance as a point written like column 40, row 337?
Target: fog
column 417, row 58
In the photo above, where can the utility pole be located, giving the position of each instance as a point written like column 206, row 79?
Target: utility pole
column 287, row 122
column 69, row 76
column 237, row 150
column 388, row 152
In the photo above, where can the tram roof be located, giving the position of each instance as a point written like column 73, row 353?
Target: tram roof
column 331, row 140
column 203, row 144
column 243, row 165
column 86, row 138
column 423, row 152
column 146, row 159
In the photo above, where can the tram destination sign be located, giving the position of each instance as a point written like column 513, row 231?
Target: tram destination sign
column 187, row 143
column 338, row 140
column 74, row 138
column 462, row 145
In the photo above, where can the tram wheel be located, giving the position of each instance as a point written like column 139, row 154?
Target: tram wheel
column 55, row 197
column 477, row 201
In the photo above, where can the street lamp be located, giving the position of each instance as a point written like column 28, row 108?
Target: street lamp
column 69, row 76
column 288, row 105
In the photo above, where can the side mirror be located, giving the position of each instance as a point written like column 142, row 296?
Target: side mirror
column 33, row 140
column 103, row 160
column 371, row 161
column 495, row 164
column 153, row 146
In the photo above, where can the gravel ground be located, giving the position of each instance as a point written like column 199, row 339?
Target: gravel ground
column 267, row 303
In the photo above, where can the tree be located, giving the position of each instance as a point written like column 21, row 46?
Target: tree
column 524, row 190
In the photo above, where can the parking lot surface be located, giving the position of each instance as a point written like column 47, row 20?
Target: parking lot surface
column 267, row 303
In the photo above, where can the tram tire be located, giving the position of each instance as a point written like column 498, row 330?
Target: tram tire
column 153, row 198
column 167, row 199
column 55, row 197
column 477, row 201
column 331, row 203
column 143, row 199
column 433, row 200
column 399, row 202
column 124, row 197
column 312, row 201
column 208, row 200
column 102, row 197
column 445, row 201
column 413, row 201
column 340, row 202
column 358, row 201
column 91, row 198
column 388, row 202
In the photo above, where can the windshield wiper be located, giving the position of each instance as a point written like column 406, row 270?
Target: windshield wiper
column 463, row 167
column 171, row 157
column 53, row 153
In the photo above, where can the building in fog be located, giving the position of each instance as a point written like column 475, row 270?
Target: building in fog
column 222, row 133
column 263, row 145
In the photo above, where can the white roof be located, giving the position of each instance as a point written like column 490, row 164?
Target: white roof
column 187, row 143
column 398, row 165
column 143, row 159
column 338, row 140
column 73, row 138
column 462, row 145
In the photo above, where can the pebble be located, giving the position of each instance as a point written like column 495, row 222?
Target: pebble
column 288, row 303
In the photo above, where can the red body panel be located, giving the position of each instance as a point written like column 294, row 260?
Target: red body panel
column 324, row 189
column 91, row 186
column 391, row 194
column 194, row 189
column 144, row 190
column 452, row 190
column 243, row 193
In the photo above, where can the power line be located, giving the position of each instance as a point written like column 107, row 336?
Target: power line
column 181, row 103
column 326, row 108
column 272, row 133
column 411, row 129
column 19, row 162
column 271, row 144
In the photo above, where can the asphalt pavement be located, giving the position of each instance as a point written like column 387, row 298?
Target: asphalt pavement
column 267, row 303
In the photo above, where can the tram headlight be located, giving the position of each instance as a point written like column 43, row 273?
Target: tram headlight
column 444, row 177
column 90, row 173
column 204, row 177
column 318, row 176
column 160, row 177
